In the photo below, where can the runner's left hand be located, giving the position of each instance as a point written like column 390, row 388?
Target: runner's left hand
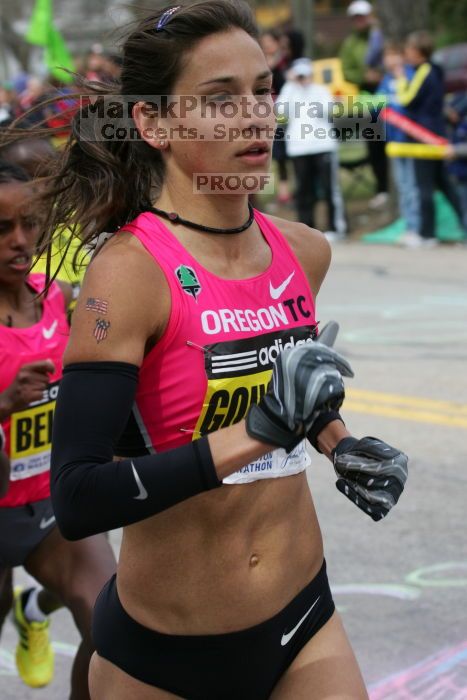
column 371, row 473
column 306, row 380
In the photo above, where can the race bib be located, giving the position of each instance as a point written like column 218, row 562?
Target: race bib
column 273, row 465
column 31, row 436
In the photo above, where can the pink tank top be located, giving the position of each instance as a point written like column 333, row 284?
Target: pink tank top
column 28, row 432
column 216, row 355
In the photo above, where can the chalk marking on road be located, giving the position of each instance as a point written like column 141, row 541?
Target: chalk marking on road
column 417, row 580
column 418, row 577
column 447, row 300
column 444, row 672
column 7, row 663
column 391, row 590
column 65, row 649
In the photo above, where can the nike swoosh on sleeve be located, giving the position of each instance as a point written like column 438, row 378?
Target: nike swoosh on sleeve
column 276, row 292
column 46, row 522
column 142, row 493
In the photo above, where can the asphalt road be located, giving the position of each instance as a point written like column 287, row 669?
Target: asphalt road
column 400, row 584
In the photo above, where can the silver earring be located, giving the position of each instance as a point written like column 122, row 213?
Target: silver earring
column 161, row 143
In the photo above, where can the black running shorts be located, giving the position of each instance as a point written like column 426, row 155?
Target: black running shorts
column 22, row 529
column 242, row 665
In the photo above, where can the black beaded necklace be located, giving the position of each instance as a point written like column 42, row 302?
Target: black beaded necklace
column 176, row 219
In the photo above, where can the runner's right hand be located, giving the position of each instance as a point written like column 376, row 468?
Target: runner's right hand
column 306, row 381
column 371, row 473
column 27, row 386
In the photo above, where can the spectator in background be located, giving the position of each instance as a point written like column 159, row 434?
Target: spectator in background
column 275, row 57
column 362, row 63
column 33, row 94
column 33, row 155
column 19, row 85
column 113, row 66
column 422, row 96
column 292, row 44
column 59, row 113
column 8, row 103
column 456, row 114
column 403, row 167
column 101, row 66
column 271, row 45
column 311, row 147
column 95, row 63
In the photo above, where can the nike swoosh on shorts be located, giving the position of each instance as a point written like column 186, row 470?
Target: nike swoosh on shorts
column 46, row 522
column 276, row 292
column 142, row 493
column 287, row 637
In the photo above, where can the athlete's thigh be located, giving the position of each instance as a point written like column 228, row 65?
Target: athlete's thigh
column 72, row 568
column 325, row 669
column 108, row 682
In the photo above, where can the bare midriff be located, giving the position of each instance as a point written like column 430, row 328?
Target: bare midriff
column 222, row 561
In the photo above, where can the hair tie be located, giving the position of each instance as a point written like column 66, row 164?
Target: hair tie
column 165, row 18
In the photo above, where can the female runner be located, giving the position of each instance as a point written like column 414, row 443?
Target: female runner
column 221, row 590
column 33, row 336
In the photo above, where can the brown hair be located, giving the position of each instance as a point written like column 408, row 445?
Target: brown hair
column 274, row 33
column 101, row 185
column 393, row 46
column 422, row 41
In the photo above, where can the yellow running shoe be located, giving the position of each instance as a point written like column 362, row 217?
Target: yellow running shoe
column 34, row 653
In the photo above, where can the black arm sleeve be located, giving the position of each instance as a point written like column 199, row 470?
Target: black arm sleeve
column 92, row 494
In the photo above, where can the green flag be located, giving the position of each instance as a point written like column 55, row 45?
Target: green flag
column 41, row 23
column 41, row 32
column 58, row 57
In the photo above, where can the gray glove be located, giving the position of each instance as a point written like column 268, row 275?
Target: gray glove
column 306, row 381
column 371, row 473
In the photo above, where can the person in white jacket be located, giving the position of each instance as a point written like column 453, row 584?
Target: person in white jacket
column 311, row 147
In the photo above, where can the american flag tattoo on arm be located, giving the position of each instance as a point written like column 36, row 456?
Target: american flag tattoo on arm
column 98, row 305
column 100, row 330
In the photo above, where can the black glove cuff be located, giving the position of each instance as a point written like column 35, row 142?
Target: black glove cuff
column 343, row 446
column 261, row 426
column 319, row 424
